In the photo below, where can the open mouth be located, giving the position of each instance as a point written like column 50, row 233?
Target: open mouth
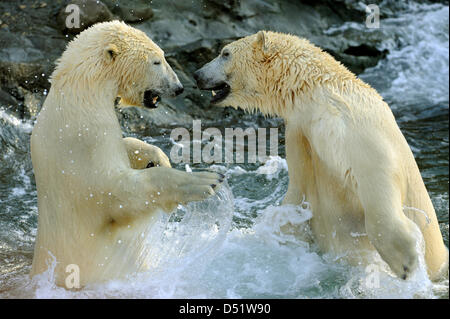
column 151, row 99
column 220, row 92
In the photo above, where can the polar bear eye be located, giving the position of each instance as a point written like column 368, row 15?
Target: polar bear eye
column 225, row 54
column 157, row 62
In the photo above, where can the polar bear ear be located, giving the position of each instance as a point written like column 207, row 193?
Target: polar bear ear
column 111, row 52
column 261, row 41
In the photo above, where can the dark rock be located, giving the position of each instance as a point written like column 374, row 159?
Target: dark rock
column 190, row 33
column 7, row 100
column 358, row 58
column 131, row 11
column 147, row 122
column 363, row 50
column 90, row 12
column 26, row 74
column 32, row 103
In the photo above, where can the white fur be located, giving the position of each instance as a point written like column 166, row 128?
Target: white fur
column 94, row 205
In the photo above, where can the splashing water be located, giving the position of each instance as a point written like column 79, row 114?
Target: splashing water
column 196, row 253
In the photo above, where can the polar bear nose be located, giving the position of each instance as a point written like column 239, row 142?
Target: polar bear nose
column 197, row 75
column 199, row 79
column 179, row 90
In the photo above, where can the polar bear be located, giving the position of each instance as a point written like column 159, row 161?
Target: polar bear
column 344, row 150
column 96, row 200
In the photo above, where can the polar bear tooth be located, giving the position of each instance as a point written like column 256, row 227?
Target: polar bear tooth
column 155, row 99
column 213, row 93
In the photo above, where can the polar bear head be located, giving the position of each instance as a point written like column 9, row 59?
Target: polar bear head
column 265, row 71
column 113, row 53
column 238, row 76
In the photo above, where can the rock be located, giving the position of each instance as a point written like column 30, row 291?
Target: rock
column 32, row 104
column 245, row 9
column 28, row 75
column 148, row 122
column 21, row 102
column 90, row 12
column 190, row 32
column 30, row 46
column 358, row 58
column 7, row 100
column 131, row 11
column 252, row 8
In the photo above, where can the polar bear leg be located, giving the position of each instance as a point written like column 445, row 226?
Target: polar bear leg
column 143, row 155
column 135, row 191
column 297, row 151
column 393, row 234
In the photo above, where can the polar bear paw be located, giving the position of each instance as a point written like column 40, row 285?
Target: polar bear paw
column 171, row 186
column 399, row 246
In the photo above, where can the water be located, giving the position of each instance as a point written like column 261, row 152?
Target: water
column 231, row 246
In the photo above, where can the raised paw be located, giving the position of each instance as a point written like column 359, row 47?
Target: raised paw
column 201, row 185
column 177, row 187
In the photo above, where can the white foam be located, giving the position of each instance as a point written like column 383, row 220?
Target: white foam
column 25, row 126
column 272, row 167
column 418, row 55
column 261, row 261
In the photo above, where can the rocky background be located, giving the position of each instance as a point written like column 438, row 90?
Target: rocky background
column 33, row 35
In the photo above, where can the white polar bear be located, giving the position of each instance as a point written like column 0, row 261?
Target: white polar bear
column 94, row 201
column 345, row 152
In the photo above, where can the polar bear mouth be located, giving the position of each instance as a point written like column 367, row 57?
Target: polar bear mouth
column 220, row 92
column 151, row 99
